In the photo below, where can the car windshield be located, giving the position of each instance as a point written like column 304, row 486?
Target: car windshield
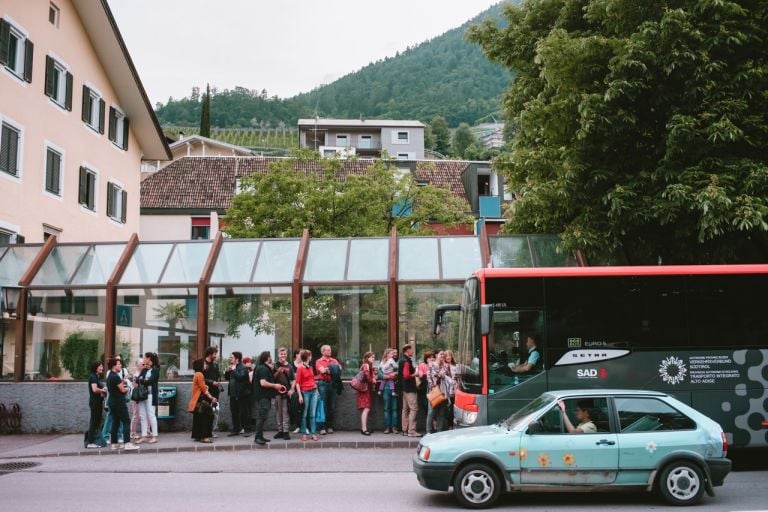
column 522, row 416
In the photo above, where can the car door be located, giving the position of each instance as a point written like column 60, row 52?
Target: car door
column 551, row 455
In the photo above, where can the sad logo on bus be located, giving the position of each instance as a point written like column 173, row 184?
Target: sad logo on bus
column 672, row 370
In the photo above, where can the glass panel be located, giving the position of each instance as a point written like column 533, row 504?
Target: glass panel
column 65, row 333
column 99, row 264
column 417, row 259
column 326, row 260
column 60, row 265
column 416, row 305
column 352, row 320
column 545, row 250
column 7, row 347
column 146, row 264
column 277, row 261
column 250, row 322
column 158, row 320
column 510, row 252
column 235, row 262
column 15, row 263
column 461, row 257
column 187, row 262
column 368, row 260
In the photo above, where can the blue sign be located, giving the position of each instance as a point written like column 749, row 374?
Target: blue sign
column 123, row 315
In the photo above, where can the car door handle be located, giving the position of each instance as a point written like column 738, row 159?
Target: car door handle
column 605, row 442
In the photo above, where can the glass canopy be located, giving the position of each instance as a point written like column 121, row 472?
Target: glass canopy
column 256, row 261
column 439, row 258
column 525, row 251
column 14, row 261
column 79, row 265
column 356, row 259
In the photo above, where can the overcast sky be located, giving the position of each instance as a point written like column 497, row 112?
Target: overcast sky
column 283, row 46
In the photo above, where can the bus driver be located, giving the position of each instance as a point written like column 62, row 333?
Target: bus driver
column 534, row 362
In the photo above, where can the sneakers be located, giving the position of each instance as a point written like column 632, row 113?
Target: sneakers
column 296, row 430
column 287, row 436
column 130, row 446
column 415, row 434
column 92, row 445
column 323, row 432
column 260, row 441
column 314, row 437
column 141, row 440
column 153, row 440
column 304, row 437
column 330, row 431
column 380, row 393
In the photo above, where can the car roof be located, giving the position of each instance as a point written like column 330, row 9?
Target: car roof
column 565, row 393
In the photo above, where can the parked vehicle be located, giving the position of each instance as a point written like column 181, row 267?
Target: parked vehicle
column 641, row 440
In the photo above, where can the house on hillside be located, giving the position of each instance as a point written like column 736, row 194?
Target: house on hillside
column 194, row 145
column 186, row 199
column 76, row 123
column 367, row 138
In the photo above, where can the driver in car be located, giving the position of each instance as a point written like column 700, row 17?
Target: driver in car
column 586, row 425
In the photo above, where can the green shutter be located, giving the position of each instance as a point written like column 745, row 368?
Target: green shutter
column 11, row 149
column 56, row 178
column 5, row 41
column 49, row 76
column 68, row 93
column 86, row 105
column 82, row 197
column 112, row 124
column 5, row 134
column 49, row 170
column 102, row 106
column 91, row 191
column 124, row 195
column 125, row 133
column 110, row 200
column 29, row 51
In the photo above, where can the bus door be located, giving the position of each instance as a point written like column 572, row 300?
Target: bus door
column 512, row 381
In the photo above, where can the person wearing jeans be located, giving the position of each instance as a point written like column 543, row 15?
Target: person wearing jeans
column 149, row 377
column 306, row 389
column 117, row 406
column 264, row 390
column 325, row 387
column 390, row 398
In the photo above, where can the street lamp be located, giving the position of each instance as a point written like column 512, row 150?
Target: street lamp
column 11, row 297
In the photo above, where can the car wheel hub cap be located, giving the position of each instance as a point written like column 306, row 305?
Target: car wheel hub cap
column 477, row 487
column 683, row 483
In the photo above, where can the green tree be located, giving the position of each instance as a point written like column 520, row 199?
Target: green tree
column 333, row 203
column 641, row 127
column 441, row 134
column 462, row 139
column 78, row 352
column 205, row 116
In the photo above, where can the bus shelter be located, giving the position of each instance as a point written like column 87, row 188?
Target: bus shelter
column 65, row 305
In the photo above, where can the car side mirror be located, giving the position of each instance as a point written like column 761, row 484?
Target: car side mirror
column 535, row 427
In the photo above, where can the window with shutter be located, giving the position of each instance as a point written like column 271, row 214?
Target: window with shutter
column 53, row 172
column 16, row 51
column 93, row 109
column 87, row 193
column 116, row 202
column 9, row 149
column 58, row 83
column 118, row 128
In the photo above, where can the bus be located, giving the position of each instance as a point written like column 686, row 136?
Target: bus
column 699, row 333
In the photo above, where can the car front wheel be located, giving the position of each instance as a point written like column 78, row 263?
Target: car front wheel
column 681, row 483
column 477, row 486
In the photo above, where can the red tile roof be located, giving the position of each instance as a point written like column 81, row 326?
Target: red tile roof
column 208, row 183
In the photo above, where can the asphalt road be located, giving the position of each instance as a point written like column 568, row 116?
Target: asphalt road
column 294, row 481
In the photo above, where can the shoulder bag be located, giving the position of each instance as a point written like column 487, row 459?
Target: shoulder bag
column 139, row 393
column 436, row 397
column 359, row 382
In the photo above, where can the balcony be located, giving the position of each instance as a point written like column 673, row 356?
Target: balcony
column 490, row 207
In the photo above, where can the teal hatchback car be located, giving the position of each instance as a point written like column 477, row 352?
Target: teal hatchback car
column 581, row 440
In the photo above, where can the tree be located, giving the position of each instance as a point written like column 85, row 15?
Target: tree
column 333, row 203
column 205, row 116
column 462, row 139
column 641, row 127
column 441, row 134
column 78, row 352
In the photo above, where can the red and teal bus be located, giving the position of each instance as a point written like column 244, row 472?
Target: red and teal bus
column 699, row 333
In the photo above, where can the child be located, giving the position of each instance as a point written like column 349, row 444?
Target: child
column 388, row 369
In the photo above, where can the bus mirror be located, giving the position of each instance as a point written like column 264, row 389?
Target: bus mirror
column 486, row 316
column 437, row 320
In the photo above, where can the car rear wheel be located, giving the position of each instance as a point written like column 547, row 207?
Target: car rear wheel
column 681, row 483
column 477, row 486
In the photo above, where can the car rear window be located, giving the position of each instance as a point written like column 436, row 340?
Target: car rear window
column 650, row 414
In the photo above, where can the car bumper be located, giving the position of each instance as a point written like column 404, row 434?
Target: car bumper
column 718, row 470
column 433, row 475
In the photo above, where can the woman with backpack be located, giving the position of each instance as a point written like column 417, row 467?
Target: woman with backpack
column 364, row 396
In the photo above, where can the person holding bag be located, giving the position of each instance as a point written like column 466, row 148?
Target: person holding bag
column 436, row 394
column 201, row 405
column 148, row 380
column 364, row 397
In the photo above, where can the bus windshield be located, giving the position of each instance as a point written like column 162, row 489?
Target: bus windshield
column 469, row 354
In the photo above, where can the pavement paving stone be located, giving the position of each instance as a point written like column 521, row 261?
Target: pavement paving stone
column 22, row 446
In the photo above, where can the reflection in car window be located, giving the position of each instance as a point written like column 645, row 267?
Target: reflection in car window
column 650, row 414
column 522, row 415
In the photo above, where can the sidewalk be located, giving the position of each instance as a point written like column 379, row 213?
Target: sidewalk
column 58, row 445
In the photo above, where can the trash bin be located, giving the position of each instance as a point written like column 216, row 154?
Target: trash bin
column 166, row 402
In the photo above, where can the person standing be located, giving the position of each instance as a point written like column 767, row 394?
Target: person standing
column 325, row 387
column 410, row 403
column 117, row 390
column 96, row 394
column 212, row 377
column 390, row 398
column 202, row 424
column 451, row 373
column 134, row 406
column 436, row 378
column 306, row 389
column 264, row 390
column 106, row 431
column 149, row 378
column 238, row 390
column 283, row 374
column 294, row 407
column 364, row 397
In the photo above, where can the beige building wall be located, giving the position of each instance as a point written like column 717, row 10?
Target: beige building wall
column 24, row 203
column 165, row 227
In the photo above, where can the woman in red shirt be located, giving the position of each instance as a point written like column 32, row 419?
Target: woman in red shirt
column 307, row 391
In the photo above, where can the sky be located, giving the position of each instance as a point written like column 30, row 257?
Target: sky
column 284, row 46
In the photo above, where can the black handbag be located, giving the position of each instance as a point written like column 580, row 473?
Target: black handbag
column 204, row 407
column 139, row 393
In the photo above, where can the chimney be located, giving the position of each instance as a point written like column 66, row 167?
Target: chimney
column 362, row 117
column 181, row 135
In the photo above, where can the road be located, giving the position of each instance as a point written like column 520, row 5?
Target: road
column 294, row 480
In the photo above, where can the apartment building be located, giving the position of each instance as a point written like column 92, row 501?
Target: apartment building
column 76, row 123
column 366, row 138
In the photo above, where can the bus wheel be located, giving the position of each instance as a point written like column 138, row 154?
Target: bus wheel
column 477, row 486
column 681, row 483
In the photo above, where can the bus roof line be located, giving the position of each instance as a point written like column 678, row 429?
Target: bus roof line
column 660, row 270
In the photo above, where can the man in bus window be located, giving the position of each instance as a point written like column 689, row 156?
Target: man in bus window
column 534, row 363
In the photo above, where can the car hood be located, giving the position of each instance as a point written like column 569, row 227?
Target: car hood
column 463, row 435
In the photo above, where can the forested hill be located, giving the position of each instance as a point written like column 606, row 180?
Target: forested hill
column 445, row 76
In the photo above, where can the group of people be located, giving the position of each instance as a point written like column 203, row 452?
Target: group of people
column 131, row 417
